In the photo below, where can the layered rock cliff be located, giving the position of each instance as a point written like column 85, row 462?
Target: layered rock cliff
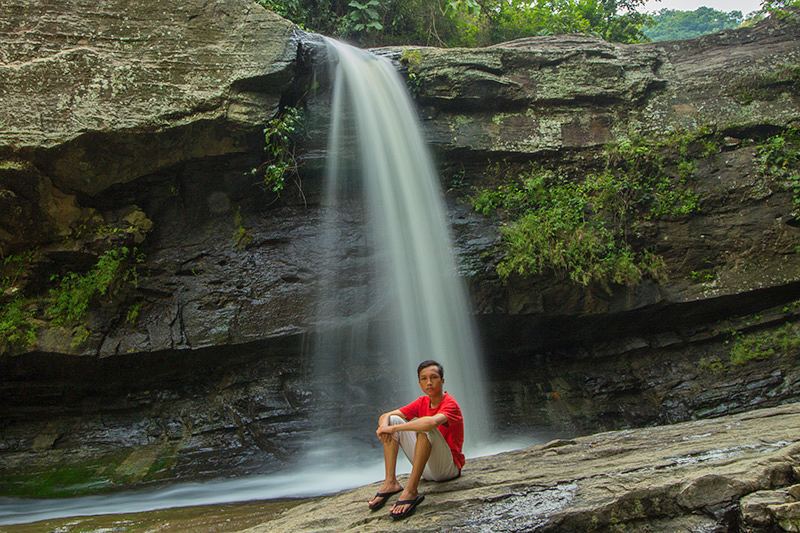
column 138, row 127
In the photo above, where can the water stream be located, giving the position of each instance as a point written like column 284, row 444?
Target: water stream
column 412, row 306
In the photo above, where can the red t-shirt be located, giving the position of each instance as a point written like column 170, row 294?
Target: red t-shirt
column 452, row 430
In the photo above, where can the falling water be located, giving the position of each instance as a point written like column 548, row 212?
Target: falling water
column 403, row 303
column 411, row 305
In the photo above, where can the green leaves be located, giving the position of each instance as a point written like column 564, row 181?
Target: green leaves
column 581, row 228
column 671, row 24
column 463, row 22
column 114, row 271
column 453, row 7
column 612, row 20
column 16, row 324
column 279, row 145
column 780, row 8
column 779, row 158
column 567, row 227
column 364, row 16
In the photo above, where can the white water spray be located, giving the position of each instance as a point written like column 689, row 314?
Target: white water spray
column 417, row 292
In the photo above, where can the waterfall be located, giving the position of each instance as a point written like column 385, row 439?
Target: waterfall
column 411, row 305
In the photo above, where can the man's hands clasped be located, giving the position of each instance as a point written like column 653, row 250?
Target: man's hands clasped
column 384, row 431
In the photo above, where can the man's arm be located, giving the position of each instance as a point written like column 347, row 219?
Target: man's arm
column 383, row 420
column 425, row 423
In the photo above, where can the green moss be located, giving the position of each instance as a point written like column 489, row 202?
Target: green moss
column 711, row 364
column 584, row 228
column 132, row 316
column 241, row 236
column 164, row 462
column 791, row 307
column 9, row 164
column 764, row 345
column 13, row 268
column 499, row 118
column 412, row 59
column 703, row 276
column 96, row 475
column 461, row 120
column 58, row 482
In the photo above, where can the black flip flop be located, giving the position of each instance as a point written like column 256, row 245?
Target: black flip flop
column 385, row 496
column 408, row 512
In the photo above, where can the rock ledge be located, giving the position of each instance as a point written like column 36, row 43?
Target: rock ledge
column 707, row 475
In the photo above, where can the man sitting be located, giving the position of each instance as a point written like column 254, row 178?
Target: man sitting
column 431, row 432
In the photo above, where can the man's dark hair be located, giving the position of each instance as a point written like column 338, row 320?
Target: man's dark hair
column 430, row 362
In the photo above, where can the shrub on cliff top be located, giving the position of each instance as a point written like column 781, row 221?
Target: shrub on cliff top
column 463, row 22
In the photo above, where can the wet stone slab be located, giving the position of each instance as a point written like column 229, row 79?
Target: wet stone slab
column 692, row 476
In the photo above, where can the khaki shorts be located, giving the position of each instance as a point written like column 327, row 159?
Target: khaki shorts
column 440, row 466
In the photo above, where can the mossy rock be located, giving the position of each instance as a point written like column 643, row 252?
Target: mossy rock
column 112, row 471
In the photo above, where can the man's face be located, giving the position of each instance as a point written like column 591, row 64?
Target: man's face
column 430, row 381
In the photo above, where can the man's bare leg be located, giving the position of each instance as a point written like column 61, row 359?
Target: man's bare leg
column 422, row 452
column 390, row 484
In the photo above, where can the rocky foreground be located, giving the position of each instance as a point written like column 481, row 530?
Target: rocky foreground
column 734, row 473
column 738, row 473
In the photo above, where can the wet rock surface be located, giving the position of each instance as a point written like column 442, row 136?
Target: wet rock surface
column 73, row 425
column 708, row 475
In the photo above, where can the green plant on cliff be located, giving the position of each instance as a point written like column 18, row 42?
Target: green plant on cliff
column 412, row 59
column 279, row 139
column 584, row 228
column 567, row 227
column 758, row 346
column 69, row 302
column 711, row 364
column 17, row 326
column 132, row 316
column 12, row 268
column 778, row 157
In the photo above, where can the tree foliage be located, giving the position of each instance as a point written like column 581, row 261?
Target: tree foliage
column 671, row 24
column 463, row 22
column 773, row 6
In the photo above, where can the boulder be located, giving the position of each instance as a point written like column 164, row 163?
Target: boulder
column 101, row 93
